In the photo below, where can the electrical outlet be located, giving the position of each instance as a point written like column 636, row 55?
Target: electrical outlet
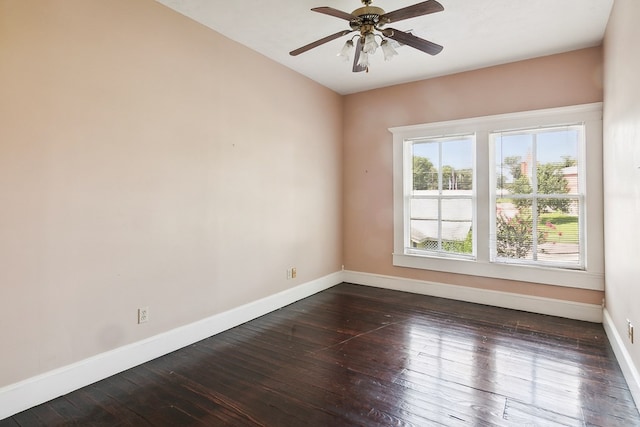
column 294, row 273
column 630, row 330
column 143, row 314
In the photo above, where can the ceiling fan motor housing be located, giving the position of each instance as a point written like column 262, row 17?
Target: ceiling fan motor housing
column 368, row 19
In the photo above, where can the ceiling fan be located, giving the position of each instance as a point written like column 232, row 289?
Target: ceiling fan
column 369, row 22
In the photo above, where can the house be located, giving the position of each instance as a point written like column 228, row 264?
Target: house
column 571, row 175
column 424, row 223
column 139, row 169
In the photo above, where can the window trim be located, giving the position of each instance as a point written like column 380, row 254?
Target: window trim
column 592, row 277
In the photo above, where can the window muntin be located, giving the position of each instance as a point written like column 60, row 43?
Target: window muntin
column 538, row 199
column 439, row 181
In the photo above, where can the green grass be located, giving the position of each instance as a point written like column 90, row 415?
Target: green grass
column 566, row 227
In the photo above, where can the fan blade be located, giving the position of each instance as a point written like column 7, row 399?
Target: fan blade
column 335, row 12
column 413, row 41
column 424, row 8
column 319, row 42
column 358, row 68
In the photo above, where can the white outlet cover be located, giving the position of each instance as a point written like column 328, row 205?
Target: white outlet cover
column 143, row 314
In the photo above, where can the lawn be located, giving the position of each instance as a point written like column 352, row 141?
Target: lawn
column 559, row 227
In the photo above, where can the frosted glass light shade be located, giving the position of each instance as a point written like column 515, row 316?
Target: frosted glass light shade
column 363, row 61
column 388, row 50
column 370, row 44
column 346, row 50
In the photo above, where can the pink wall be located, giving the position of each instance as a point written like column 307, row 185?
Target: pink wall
column 147, row 161
column 553, row 81
column 622, row 174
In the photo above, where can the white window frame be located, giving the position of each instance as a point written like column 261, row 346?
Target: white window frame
column 408, row 187
column 591, row 277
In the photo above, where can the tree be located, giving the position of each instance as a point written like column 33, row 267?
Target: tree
column 550, row 181
column 501, row 181
column 425, row 175
column 465, row 179
column 456, row 179
column 569, row 161
column 515, row 166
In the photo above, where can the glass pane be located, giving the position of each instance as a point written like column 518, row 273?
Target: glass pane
column 557, row 157
column 424, row 234
column 442, row 167
column 457, row 169
column 425, row 166
column 513, row 163
column 424, row 223
column 514, row 229
column 560, row 233
column 424, row 209
column 457, row 219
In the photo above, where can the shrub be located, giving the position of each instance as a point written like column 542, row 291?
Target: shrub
column 514, row 236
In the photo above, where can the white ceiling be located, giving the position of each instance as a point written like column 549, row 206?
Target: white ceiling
column 474, row 33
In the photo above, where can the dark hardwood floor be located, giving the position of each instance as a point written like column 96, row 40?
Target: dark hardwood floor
column 361, row 356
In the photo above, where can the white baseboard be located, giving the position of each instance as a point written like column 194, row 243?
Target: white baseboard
column 33, row 391
column 629, row 370
column 533, row 304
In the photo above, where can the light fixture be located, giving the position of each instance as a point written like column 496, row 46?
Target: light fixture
column 346, row 50
column 370, row 45
column 363, row 61
column 367, row 45
column 388, row 50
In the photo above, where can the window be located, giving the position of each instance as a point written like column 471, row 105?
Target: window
column 440, row 193
column 538, row 197
column 503, row 196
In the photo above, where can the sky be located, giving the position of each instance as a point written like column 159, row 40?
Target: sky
column 455, row 152
column 552, row 146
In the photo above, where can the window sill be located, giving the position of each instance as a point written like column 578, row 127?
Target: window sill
column 524, row 273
